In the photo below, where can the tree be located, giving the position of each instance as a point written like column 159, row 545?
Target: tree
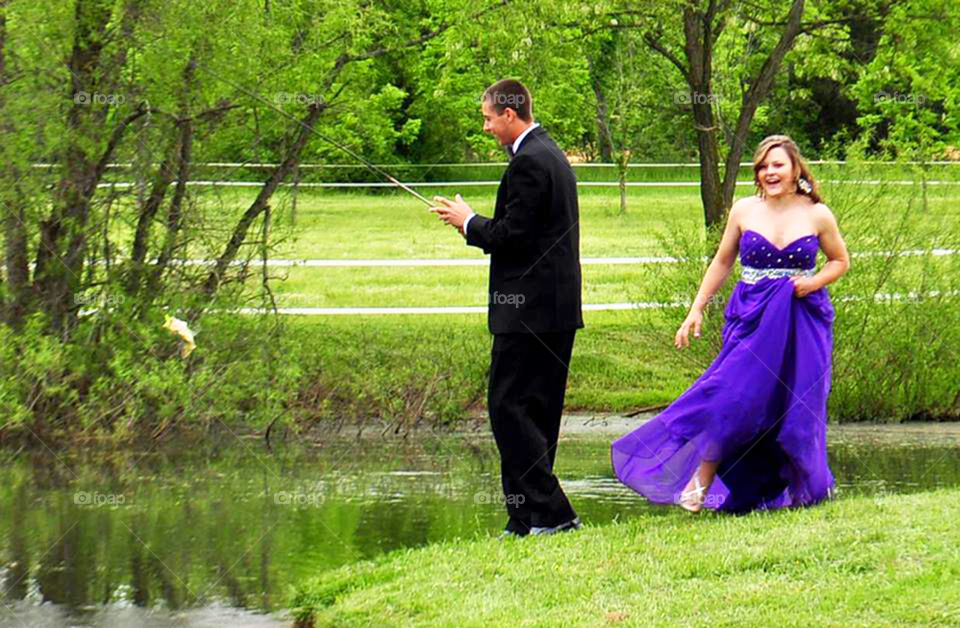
column 90, row 84
column 633, row 119
column 907, row 91
column 702, row 23
column 688, row 34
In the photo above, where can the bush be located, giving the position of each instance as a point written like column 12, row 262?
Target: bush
column 121, row 377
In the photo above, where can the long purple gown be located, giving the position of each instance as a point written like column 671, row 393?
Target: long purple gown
column 760, row 409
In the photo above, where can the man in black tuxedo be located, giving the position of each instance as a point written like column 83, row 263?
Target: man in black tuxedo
column 533, row 241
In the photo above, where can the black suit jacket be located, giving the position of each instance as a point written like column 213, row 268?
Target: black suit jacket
column 534, row 242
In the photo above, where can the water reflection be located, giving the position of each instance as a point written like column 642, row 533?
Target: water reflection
column 191, row 537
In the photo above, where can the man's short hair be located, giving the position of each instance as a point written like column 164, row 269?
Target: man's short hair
column 513, row 94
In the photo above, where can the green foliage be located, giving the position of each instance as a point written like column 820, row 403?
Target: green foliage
column 124, row 379
column 898, row 322
column 909, row 92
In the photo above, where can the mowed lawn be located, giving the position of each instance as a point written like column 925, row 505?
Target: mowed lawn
column 393, row 225
column 388, row 225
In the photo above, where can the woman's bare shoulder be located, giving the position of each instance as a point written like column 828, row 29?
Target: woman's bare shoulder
column 745, row 205
column 823, row 216
column 747, row 202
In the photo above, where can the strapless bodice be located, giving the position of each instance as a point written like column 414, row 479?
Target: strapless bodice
column 758, row 252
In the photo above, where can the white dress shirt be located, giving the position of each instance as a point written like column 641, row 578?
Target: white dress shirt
column 515, row 147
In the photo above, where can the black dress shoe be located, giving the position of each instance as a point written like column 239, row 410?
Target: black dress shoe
column 509, row 534
column 516, row 527
column 573, row 524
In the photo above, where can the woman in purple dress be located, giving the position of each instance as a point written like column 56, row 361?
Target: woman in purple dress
column 750, row 433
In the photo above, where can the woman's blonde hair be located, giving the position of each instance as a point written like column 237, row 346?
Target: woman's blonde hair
column 806, row 184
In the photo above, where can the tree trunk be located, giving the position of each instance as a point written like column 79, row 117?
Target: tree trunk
column 175, row 163
column 702, row 25
column 13, row 203
column 15, row 249
column 260, row 203
column 623, row 160
column 175, row 211
column 58, row 267
column 604, row 136
column 148, row 211
column 759, row 89
column 698, row 46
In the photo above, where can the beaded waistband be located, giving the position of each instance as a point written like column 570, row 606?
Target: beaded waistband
column 751, row 274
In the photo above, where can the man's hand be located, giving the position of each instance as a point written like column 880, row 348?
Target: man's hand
column 454, row 212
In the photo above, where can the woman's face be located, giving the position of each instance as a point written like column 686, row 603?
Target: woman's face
column 776, row 173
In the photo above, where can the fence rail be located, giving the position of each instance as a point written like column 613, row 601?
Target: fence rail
column 584, row 261
column 490, row 164
column 125, row 185
column 883, row 298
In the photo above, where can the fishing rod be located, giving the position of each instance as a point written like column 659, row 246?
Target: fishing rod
column 372, row 167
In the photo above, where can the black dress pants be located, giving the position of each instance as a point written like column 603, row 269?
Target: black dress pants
column 528, row 379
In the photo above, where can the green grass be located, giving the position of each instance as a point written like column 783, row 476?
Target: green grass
column 857, row 561
column 388, row 225
column 384, row 225
column 429, row 286
column 354, row 225
column 434, row 367
column 467, row 286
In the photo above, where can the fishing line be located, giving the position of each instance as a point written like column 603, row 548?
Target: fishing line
column 372, row 167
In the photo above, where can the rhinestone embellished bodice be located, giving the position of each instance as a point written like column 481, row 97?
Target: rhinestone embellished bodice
column 763, row 259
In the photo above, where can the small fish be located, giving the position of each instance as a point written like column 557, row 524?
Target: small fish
column 180, row 328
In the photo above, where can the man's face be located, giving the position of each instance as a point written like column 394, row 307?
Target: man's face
column 496, row 124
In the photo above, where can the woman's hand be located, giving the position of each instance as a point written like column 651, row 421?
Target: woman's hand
column 694, row 320
column 802, row 286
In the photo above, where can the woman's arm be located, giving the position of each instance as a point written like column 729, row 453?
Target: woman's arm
column 714, row 278
column 833, row 246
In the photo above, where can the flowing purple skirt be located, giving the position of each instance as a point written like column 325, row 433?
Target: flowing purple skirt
column 759, row 410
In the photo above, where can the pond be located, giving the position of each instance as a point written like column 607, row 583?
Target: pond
column 217, row 535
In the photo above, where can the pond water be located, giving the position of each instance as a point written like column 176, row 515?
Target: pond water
column 216, row 536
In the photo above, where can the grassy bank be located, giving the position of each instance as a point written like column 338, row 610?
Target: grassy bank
column 406, row 367
column 853, row 561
